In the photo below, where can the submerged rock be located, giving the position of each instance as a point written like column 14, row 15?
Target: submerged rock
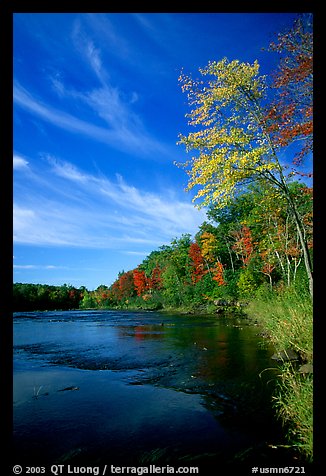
column 72, row 388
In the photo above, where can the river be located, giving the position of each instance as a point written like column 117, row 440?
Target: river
column 140, row 388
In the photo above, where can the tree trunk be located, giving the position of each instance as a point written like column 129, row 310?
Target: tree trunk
column 303, row 243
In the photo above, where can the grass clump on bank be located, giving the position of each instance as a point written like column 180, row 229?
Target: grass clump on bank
column 287, row 318
column 294, row 404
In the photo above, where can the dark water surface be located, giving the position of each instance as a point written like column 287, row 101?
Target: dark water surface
column 141, row 388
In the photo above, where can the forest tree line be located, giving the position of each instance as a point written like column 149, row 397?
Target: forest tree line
column 248, row 247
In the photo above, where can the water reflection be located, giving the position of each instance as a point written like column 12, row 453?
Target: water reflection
column 191, row 385
column 142, row 332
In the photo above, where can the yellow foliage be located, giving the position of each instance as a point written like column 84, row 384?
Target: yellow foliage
column 209, row 245
column 230, row 137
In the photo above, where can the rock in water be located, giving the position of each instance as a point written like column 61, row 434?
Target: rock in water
column 68, row 388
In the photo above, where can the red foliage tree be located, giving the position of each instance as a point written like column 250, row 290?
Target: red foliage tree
column 155, row 281
column 123, row 287
column 197, row 262
column 219, row 274
column 243, row 245
column 126, row 284
column 290, row 117
column 140, row 281
column 115, row 293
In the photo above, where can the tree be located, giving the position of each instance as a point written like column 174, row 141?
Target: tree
column 157, row 258
column 197, row 263
column 88, row 301
column 101, row 296
column 31, row 297
column 209, row 247
column 126, row 285
column 123, row 287
column 219, row 274
column 243, row 245
column 180, row 257
column 233, row 139
column 268, row 260
column 274, row 229
column 290, row 116
column 140, row 281
column 176, row 276
column 155, row 281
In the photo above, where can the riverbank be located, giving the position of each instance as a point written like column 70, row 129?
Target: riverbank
column 286, row 317
column 210, row 307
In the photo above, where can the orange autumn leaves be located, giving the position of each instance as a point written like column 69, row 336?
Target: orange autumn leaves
column 203, row 260
column 144, row 284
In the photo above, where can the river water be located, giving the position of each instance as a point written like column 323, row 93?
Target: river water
column 136, row 388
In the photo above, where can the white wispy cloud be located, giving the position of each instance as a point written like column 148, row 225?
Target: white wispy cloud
column 67, row 170
column 136, row 253
column 19, row 162
column 87, row 49
column 109, row 116
column 100, row 213
column 104, row 29
column 142, row 208
column 59, row 118
column 123, row 129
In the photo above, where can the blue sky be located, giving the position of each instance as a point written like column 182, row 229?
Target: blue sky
column 97, row 113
